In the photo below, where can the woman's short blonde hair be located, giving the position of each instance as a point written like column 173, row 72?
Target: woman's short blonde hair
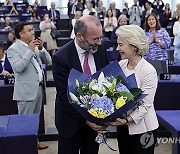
column 134, row 35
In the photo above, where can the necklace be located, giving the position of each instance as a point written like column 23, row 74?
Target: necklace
column 131, row 67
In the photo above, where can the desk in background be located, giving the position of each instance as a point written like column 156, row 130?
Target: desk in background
column 170, row 119
column 167, row 95
column 8, row 106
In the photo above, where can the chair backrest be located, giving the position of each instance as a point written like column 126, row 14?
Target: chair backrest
column 159, row 65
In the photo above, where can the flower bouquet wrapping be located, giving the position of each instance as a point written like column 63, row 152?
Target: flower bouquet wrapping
column 104, row 96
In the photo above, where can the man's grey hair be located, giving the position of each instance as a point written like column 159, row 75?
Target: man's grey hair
column 82, row 25
column 134, row 35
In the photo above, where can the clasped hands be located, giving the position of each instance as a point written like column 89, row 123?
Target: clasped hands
column 36, row 43
column 153, row 38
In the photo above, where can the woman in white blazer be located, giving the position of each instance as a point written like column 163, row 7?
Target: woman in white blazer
column 136, row 133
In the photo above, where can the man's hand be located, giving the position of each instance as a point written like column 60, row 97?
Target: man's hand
column 6, row 74
column 40, row 43
column 33, row 44
column 99, row 129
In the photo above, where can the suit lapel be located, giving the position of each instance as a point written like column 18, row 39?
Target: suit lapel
column 22, row 51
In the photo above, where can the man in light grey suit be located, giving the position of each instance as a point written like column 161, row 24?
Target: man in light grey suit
column 26, row 56
column 135, row 13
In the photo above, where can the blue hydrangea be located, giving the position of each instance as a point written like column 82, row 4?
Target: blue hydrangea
column 103, row 103
column 120, row 87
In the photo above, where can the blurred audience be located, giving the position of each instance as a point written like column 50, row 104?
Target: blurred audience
column 13, row 11
column 121, row 21
column 176, row 32
column 148, row 10
column 159, row 39
column 158, row 5
column 116, row 12
column 46, row 26
column 7, row 25
column 167, row 14
column 11, row 39
column 34, row 16
column 135, row 13
column 78, row 14
column 110, row 22
column 5, row 67
column 176, row 13
column 8, row 3
column 89, row 8
column 101, row 11
column 54, row 15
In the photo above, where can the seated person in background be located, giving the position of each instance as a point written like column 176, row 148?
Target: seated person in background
column 34, row 16
column 5, row 67
column 121, row 21
column 77, row 15
column 7, row 25
column 29, row 9
column 11, row 39
column 13, row 11
column 54, row 15
column 159, row 39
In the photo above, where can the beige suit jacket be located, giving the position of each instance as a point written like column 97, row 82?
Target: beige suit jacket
column 144, row 115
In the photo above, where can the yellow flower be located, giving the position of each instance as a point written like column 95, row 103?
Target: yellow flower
column 120, row 102
column 102, row 114
column 93, row 112
column 97, row 113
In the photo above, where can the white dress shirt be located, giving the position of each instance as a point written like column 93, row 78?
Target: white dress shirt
column 82, row 56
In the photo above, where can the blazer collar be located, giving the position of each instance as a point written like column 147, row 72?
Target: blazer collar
column 24, row 48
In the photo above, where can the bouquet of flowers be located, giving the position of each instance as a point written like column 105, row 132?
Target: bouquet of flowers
column 104, row 96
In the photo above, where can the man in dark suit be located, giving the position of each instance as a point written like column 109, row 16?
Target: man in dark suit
column 5, row 67
column 148, row 10
column 54, row 15
column 76, row 133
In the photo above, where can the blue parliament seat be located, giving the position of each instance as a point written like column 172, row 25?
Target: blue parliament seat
column 14, row 18
column 167, row 95
column 170, row 120
column 25, row 17
column 18, row 134
column 4, row 35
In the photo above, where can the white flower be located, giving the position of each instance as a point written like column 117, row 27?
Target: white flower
column 92, row 83
column 102, row 81
column 77, row 83
column 73, row 97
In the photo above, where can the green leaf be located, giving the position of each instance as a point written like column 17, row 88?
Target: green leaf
column 128, row 95
column 136, row 92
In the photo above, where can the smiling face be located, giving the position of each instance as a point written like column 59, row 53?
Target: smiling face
column 92, row 39
column 152, row 21
column 126, row 50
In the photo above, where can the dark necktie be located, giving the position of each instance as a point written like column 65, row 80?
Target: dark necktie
column 53, row 13
column 36, row 58
column 86, row 66
column 1, row 69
